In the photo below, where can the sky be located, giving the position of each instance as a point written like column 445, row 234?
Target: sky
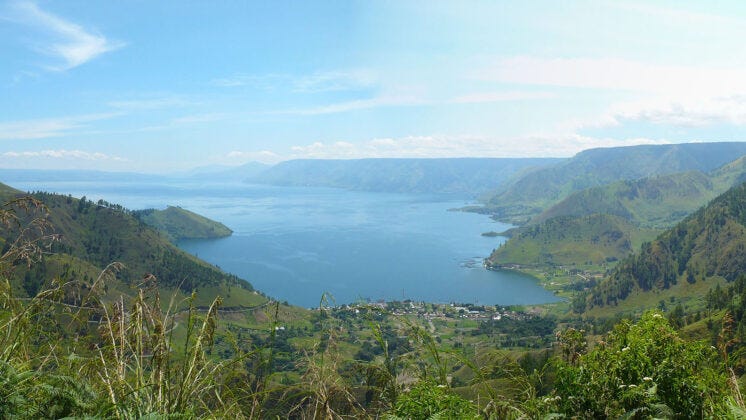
column 170, row 85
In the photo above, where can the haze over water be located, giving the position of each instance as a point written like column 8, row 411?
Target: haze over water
column 296, row 243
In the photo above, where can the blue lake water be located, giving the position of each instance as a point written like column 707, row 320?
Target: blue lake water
column 296, row 243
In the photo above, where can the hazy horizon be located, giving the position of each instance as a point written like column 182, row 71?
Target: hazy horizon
column 166, row 87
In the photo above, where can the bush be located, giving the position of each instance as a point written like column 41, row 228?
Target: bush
column 644, row 369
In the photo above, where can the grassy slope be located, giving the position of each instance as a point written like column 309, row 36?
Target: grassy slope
column 654, row 202
column 707, row 247
column 593, row 240
column 647, row 205
column 529, row 195
column 178, row 224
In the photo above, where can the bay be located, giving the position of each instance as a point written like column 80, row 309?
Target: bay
column 295, row 244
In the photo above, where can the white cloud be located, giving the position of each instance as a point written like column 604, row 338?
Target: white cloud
column 70, row 42
column 321, row 81
column 486, row 97
column 47, row 127
column 152, row 103
column 397, row 100
column 200, row 118
column 681, row 16
column 354, row 105
column 616, row 74
column 729, row 110
column 64, row 154
column 461, row 146
column 264, row 156
column 335, row 81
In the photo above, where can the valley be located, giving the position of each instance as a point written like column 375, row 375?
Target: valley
column 583, row 263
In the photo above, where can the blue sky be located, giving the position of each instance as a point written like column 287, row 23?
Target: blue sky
column 163, row 86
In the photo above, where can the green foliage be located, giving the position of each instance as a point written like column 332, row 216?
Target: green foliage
column 568, row 240
column 652, row 202
column 426, row 400
column 89, row 236
column 644, row 369
column 74, row 350
column 710, row 242
column 533, row 192
column 177, row 224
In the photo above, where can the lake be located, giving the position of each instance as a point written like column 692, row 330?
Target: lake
column 295, row 244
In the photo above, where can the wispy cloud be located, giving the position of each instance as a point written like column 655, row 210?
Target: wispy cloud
column 264, row 156
column 335, row 81
column 486, row 97
column 66, row 40
column 406, row 100
column 200, row 118
column 48, row 127
column 461, row 146
column 322, row 81
column 64, row 154
column 149, row 103
column 616, row 74
column 680, row 16
column 358, row 104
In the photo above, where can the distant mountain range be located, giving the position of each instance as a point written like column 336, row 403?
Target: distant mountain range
column 462, row 176
column 466, row 176
column 529, row 195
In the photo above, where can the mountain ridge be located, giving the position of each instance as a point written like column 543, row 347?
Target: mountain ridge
column 527, row 196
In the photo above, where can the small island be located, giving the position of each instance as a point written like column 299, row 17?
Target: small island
column 178, row 224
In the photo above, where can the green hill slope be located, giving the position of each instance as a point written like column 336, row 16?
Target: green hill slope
column 647, row 206
column 587, row 240
column 654, row 202
column 178, row 224
column 91, row 236
column 706, row 247
column 532, row 193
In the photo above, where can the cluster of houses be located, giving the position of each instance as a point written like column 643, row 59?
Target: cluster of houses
column 437, row 310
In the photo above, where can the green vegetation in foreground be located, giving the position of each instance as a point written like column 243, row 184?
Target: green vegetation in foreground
column 117, row 361
column 177, row 224
column 73, row 349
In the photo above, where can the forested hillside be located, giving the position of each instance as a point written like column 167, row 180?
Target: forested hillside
column 529, row 195
column 178, row 224
column 587, row 240
column 647, row 205
column 709, row 244
column 653, row 202
column 88, row 236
